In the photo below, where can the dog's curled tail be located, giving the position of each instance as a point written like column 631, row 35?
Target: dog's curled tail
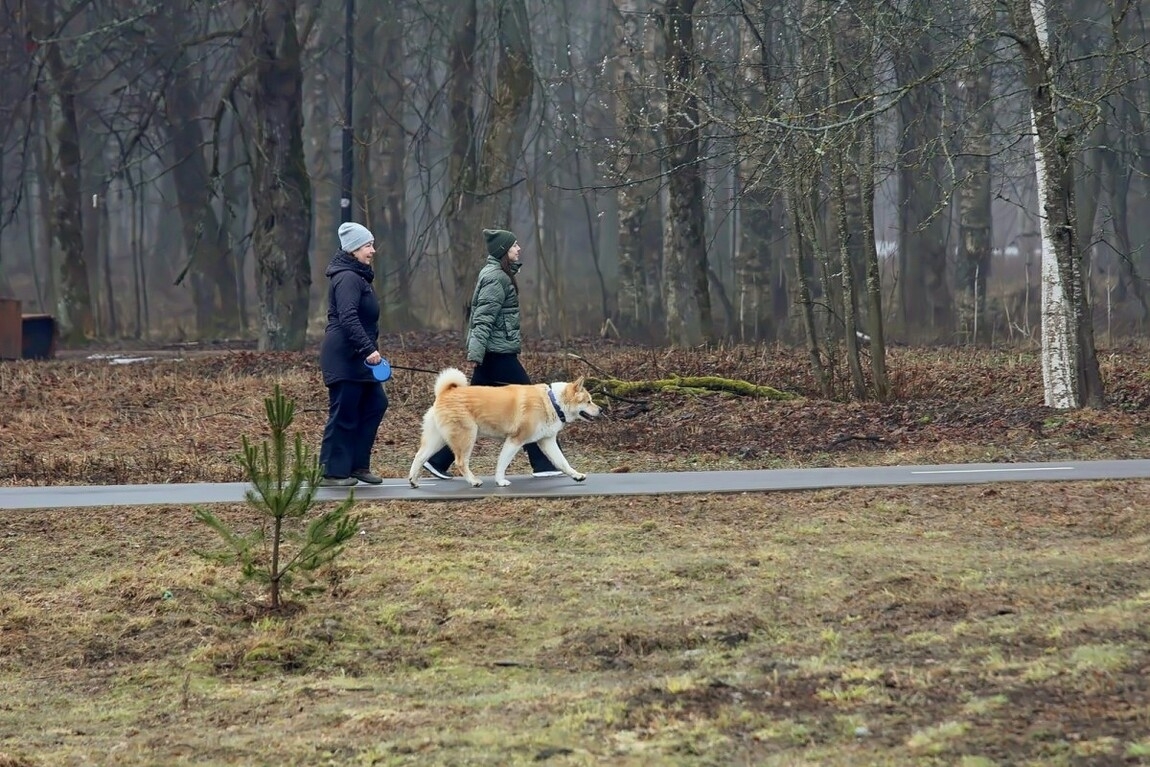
column 449, row 378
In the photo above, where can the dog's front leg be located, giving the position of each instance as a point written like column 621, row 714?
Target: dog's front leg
column 506, row 454
column 421, row 455
column 551, row 449
column 429, row 444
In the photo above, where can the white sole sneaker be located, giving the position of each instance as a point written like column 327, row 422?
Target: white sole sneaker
column 545, row 474
column 436, row 472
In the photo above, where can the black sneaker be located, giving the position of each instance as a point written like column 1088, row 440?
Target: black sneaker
column 441, row 474
column 337, row 481
column 365, row 475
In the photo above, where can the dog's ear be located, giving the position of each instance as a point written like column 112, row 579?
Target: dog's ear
column 578, row 383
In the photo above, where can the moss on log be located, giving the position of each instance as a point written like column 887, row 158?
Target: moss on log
column 696, row 385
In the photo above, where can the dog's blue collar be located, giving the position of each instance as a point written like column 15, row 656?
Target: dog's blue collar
column 555, row 404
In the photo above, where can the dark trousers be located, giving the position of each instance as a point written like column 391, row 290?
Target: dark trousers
column 355, row 410
column 498, row 370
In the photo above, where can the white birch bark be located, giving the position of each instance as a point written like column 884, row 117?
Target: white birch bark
column 1059, row 353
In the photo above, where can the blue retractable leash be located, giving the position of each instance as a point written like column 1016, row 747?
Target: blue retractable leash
column 381, row 371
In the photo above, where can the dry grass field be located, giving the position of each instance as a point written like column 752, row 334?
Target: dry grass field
column 973, row 626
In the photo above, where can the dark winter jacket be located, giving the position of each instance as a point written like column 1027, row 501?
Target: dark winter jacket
column 494, row 322
column 352, row 321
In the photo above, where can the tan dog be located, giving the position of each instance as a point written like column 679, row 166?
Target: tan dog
column 519, row 414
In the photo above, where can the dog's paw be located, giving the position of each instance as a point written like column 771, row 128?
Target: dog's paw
column 503, row 482
column 413, row 483
column 579, row 477
column 477, row 483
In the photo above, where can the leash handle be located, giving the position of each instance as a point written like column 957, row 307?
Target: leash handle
column 381, row 370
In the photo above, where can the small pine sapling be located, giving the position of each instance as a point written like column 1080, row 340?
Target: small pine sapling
column 282, row 491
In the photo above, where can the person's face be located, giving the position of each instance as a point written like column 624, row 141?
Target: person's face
column 513, row 253
column 364, row 253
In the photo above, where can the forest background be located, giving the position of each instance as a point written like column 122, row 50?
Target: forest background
column 679, row 172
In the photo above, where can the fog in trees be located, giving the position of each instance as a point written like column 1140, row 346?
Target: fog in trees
column 839, row 177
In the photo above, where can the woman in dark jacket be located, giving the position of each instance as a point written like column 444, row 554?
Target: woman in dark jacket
column 493, row 339
column 356, row 401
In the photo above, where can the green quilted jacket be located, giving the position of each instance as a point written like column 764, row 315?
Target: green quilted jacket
column 494, row 322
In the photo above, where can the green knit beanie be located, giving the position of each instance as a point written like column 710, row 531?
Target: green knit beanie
column 499, row 241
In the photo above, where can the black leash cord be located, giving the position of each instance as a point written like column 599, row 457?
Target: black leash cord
column 604, row 392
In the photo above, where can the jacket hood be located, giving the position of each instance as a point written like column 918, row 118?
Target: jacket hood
column 345, row 262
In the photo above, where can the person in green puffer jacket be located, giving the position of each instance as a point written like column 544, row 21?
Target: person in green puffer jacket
column 494, row 340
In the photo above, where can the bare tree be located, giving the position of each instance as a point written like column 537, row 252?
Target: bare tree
column 703, row 150
column 74, row 308
column 801, row 159
column 281, row 187
column 686, row 290
column 924, row 288
column 850, row 51
column 634, row 171
column 485, row 154
column 389, row 216
column 975, row 217
column 760, row 264
column 211, row 264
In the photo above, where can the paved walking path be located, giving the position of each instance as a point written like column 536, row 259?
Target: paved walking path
column 658, row 483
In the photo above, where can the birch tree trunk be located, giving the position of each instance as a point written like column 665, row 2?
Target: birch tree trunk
column 1070, row 373
column 1059, row 350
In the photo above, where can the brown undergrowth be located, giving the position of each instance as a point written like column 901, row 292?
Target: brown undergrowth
column 177, row 417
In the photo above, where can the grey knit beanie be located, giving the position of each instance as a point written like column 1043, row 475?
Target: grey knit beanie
column 499, row 241
column 353, row 236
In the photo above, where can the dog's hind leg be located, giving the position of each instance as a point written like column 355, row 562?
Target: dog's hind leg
column 551, row 449
column 462, row 443
column 506, row 454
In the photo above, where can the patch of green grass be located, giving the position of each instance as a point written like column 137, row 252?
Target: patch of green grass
column 937, row 739
column 984, row 706
column 976, row 761
column 924, row 638
column 1099, row 658
column 1138, row 750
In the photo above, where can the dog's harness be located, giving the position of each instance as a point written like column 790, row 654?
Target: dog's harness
column 555, row 404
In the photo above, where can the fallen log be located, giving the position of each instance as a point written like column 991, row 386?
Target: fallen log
column 692, row 385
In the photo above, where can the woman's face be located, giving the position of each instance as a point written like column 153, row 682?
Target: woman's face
column 513, row 253
column 364, row 253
